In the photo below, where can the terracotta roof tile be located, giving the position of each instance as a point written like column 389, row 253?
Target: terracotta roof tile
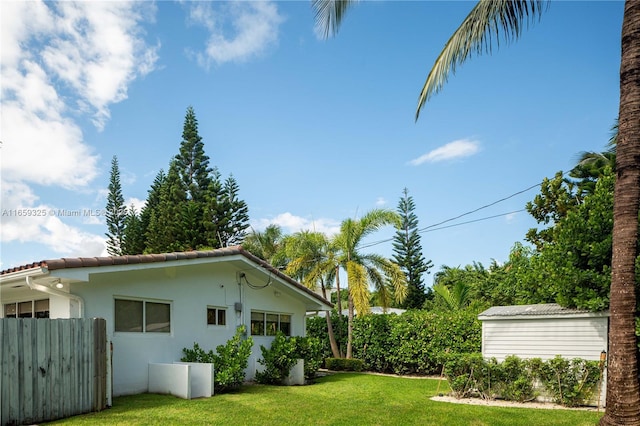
column 83, row 262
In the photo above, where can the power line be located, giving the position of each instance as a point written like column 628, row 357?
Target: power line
column 433, row 227
column 479, row 208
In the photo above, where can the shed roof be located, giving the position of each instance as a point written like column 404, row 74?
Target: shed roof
column 539, row 310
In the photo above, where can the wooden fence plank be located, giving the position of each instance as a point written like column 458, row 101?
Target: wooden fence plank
column 51, row 369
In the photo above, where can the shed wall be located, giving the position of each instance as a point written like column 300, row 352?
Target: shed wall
column 584, row 337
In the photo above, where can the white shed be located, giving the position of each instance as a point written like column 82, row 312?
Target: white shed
column 543, row 331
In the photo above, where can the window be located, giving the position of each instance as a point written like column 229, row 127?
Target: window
column 141, row 316
column 28, row 309
column 268, row 324
column 216, row 316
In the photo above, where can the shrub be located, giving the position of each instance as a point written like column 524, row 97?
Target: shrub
column 372, row 341
column 317, row 327
column 470, row 374
column 310, row 350
column 229, row 363
column 278, row 360
column 570, row 382
column 197, row 354
column 516, row 379
column 344, row 364
column 415, row 342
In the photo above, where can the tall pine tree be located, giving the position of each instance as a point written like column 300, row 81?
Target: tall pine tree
column 134, row 238
column 234, row 219
column 407, row 251
column 165, row 232
column 189, row 208
column 115, row 212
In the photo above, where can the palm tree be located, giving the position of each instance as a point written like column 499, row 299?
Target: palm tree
column 454, row 299
column 267, row 244
column 365, row 269
column 313, row 263
column 495, row 18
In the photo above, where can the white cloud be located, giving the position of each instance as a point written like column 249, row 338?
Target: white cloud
column 291, row 223
column 451, row 151
column 254, row 29
column 61, row 61
column 510, row 217
column 24, row 221
column 380, row 201
column 137, row 203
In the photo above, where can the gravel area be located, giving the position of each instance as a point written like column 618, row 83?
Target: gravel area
column 500, row 403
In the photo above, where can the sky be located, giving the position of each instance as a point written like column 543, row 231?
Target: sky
column 314, row 131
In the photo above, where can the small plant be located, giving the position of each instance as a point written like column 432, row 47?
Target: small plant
column 197, row 354
column 229, row 363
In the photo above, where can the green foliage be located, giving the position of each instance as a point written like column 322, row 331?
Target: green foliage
column 570, row 382
column 424, row 338
column 310, row 350
column 197, row 354
column 283, row 354
column 189, row 208
column 230, row 361
column 133, row 241
column 278, row 360
column 317, row 328
column 470, row 373
column 516, row 379
column 407, row 251
column 415, row 342
column 115, row 212
column 344, row 364
column 372, row 342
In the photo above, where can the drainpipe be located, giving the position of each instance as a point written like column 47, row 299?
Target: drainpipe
column 43, row 288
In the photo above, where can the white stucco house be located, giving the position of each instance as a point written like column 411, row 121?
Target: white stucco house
column 157, row 304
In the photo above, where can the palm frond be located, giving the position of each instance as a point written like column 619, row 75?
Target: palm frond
column 476, row 34
column 329, row 15
column 358, row 287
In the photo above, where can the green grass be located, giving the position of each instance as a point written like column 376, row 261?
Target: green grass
column 340, row 399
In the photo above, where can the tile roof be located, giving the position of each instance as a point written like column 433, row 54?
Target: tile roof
column 531, row 310
column 85, row 262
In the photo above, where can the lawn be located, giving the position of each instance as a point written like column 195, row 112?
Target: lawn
column 340, row 399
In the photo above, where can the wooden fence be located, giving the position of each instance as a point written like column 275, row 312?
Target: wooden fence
column 51, row 368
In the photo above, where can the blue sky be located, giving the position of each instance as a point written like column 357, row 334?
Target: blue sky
column 314, row 131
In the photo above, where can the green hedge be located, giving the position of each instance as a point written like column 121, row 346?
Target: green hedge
column 569, row 382
column 343, row 364
column 415, row 342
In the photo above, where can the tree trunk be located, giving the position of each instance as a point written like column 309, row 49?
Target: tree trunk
column 350, row 329
column 332, row 338
column 338, row 290
column 623, row 390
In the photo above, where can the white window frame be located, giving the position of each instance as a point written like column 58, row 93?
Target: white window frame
column 33, row 308
column 144, row 316
column 264, row 322
column 217, row 309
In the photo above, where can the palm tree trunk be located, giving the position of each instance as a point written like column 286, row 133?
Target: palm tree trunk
column 623, row 390
column 350, row 329
column 338, row 290
column 332, row 338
